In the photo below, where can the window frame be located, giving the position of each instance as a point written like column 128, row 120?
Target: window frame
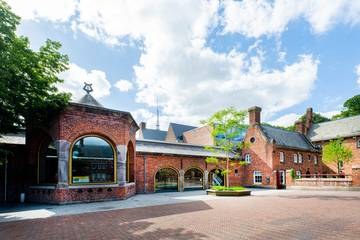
column 295, row 156
column 247, row 158
column 70, row 180
column 282, row 157
column 300, row 158
column 257, row 174
column 316, row 160
column 358, row 143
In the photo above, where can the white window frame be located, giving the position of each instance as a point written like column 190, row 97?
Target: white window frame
column 295, row 158
column 282, row 157
column 315, row 160
column 256, row 176
column 300, row 158
column 358, row 143
column 248, row 158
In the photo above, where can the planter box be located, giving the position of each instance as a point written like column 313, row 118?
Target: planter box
column 228, row 193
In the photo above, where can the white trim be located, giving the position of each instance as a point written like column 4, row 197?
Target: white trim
column 300, row 158
column 257, row 174
column 282, row 157
column 295, row 158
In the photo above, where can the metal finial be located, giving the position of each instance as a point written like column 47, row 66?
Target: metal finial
column 88, row 87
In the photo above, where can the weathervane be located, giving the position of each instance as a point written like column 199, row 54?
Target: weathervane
column 88, row 87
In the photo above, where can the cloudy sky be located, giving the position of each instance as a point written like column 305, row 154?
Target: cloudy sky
column 196, row 57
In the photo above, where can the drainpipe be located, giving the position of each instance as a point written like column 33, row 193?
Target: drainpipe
column 144, row 173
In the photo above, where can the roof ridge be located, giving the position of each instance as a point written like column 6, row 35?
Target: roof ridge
column 337, row 120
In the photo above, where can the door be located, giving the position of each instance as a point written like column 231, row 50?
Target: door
column 280, row 179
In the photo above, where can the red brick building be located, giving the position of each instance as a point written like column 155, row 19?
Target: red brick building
column 90, row 153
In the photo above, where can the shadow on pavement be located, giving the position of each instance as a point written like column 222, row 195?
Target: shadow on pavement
column 116, row 224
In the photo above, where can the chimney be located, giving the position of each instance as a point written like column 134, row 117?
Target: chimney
column 308, row 120
column 254, row 116
column 299, row 126
column 143, row 125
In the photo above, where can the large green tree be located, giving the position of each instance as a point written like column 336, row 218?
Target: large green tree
column 227, row 125
column 336, row 152
column 351, row 108
column 28, row 95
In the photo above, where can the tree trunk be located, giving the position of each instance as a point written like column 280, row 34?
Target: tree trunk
column 227, row 172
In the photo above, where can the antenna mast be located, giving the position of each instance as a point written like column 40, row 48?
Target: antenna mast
column 157, row 115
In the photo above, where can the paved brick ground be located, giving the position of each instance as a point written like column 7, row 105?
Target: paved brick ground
column 295, row 216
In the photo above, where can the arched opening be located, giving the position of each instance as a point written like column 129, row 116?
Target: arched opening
column 130, row 163
column 92, row 161
column 216, row 178
column 193, row 179
column 48, row 163
column 166, row 180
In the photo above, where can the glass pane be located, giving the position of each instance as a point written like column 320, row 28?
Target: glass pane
column 166, row 180
column 48, row 163
column 92, row 161
column 193, row 179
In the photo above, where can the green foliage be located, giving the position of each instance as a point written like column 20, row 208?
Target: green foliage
column 292, row 173
column 227, row 123
column 316, row 118
column 27, row 78
column 351, row 108
column 335, row 152
column 222, row 188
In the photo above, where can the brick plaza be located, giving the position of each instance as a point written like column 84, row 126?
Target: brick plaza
column 265, row 215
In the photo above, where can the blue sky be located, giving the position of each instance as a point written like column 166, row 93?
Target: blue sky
column 198, row 57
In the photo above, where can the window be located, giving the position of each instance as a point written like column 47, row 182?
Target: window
column 247, row 158
column 47, row 163
column 257, row 177
column 315, row 160
column 282, row 157
column 341, row 164
column 298, row 174
column 309, row 157
column 252, row 140
column 300, row 158
column 295, row 158
column 130, row 163
column 93, row 161
column 358, row 143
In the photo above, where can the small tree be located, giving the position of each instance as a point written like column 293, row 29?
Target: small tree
column 227, row 124
column 336, row 152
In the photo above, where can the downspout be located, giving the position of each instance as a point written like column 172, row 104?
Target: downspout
column 144, row 173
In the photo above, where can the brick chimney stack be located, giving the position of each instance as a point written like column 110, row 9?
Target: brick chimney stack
column 299, row 126
column 308, row 120
column 254, row 116
column 143, row 125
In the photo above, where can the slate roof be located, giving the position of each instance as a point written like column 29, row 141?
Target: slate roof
column 87, row 99
column 151, row 146
column 153, row 134
column 346, row 127
column 179, row 129
column 288, row 139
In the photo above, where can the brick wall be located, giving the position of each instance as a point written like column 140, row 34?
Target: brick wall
column 199, row 136
column 352, row 144
column 154, row 162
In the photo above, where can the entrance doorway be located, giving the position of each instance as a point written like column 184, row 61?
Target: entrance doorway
column 281, row 179
column 166, row 180
column 193, row 179
column 216, row 178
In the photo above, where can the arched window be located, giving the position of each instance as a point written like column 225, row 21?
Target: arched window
column 93, row 161
column 193, row 179
column 48, row 163
column 130, row 163
column 166, row 179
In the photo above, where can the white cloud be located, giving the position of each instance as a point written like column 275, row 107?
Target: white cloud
column 144, row 115
column 59, row 11
column 330, row 114
column 75, row 77
column 124, row 85
column 263, row 17
column 286, row 120
column 357, row 71
column 176, row 67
